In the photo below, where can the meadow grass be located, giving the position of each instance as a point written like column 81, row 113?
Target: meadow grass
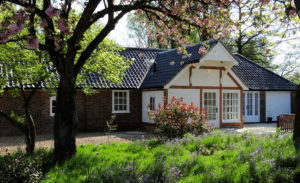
column 215, row 157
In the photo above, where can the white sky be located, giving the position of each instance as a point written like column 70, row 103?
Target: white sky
column 121, row 36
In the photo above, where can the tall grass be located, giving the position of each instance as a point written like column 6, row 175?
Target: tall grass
column 215, row 157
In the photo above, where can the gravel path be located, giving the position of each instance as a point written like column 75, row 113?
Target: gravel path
column 11, row 144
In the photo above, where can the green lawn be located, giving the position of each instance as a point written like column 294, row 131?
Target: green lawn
column 217, row 157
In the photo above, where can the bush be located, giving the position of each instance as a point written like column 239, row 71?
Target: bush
column 19, row 167
column 178, row 118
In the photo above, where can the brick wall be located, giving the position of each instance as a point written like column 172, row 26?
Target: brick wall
column 39, row 109
column 92, row 112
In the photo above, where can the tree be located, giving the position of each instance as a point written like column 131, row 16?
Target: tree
column 23, row 67
column 53, row 28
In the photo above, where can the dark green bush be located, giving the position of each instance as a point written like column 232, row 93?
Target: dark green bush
column 19, row 167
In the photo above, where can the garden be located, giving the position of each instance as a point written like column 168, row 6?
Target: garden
column 185, row 149
column 213, row 157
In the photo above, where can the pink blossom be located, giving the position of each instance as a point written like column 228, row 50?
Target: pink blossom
column 292, row 12
column 17, row 27
column 62, row 25
column 141, row 55
column 51, row 12
column 44, row 24
column 33, row 43
column 265, row 1
column 202, row 50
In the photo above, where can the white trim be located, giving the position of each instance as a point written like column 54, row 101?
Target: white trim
column 178, row 75
column 217, row 120
column 244, row 87
column 113, row 101
column 238, row 105
column 50, row 111
column 225, row 51
column 253, row 117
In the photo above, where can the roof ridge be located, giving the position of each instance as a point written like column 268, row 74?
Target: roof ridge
column 192, row 45
column 250, row 61
column 145, row 49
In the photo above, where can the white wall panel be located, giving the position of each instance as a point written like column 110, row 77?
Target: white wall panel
column 159, row 96
column 277, row 102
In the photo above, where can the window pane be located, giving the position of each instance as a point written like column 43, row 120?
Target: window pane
column 256, row 104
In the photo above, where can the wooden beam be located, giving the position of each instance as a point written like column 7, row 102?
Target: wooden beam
column 165, row 97
column 204, row 87
column 241, row 107
column 190, row 75
column 200, row 100
column 212, row 67
column 234, row 80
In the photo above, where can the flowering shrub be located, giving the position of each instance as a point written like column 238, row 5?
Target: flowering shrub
column 177, row 118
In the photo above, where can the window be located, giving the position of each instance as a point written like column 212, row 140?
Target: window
column 210, row 105
column 120, row 101
column 152, row 103
column 256, row 104
column 231, row 106
column 52, row 106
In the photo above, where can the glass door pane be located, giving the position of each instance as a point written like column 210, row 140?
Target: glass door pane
column 210, row 105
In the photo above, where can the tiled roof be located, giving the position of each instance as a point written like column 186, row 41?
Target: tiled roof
column 253, row 75
column 259, row 78
column 169, row 63
column 134, row 75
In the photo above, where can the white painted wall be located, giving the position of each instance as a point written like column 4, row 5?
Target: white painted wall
column 183, row 80
column 189, row 95
column 159, row 96
column 218, row 53
column 205, row 77
column 227, row 81
column 277, row 102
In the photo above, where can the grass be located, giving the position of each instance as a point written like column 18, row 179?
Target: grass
column 216, row 157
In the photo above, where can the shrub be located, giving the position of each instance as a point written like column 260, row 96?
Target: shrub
column 19, row 167
column 178, row 118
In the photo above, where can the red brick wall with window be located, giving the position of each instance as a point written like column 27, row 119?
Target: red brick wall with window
column 92, row 112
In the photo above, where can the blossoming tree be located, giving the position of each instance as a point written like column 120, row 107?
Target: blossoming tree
column 52, row 27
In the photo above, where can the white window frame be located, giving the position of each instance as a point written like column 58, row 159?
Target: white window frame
column 113, row 101
column 239, row 106
column 51, row 99
column 150, row 102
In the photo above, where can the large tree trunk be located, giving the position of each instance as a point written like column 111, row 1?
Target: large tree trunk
column 297, row 118
column 30, row 134
column 64, row 121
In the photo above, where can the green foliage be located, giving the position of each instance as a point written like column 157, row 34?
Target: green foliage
column 105, row 61
column 215, row 157
column 110, row 127
column 23, row 66
column 19, row 167
column 177, row 118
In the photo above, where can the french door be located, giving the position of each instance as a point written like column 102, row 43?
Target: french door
column 210, row 103
column 251, row 107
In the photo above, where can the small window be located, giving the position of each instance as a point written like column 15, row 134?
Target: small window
column 120, row 101
column 152, row 103
column 52, row 106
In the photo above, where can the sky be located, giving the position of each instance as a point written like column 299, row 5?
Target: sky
column 121, row 36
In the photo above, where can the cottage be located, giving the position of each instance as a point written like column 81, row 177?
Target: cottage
column 231, row 88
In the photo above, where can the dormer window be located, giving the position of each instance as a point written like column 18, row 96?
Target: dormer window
column 154, row 67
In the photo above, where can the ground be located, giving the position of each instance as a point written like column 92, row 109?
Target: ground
column 10, row 144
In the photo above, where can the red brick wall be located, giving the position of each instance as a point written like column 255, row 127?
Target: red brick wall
column 39, row 109
column 92, row 112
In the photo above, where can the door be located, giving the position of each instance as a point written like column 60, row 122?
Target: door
column 251, row 107
column 210, row 103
